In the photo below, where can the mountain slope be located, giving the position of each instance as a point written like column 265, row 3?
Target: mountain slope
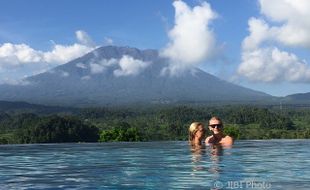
column 301, row 98
column 99, row 78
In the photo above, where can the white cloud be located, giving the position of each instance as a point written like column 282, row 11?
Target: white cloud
column 84, row 38
column 259, row 32
column 273, row 65
column 286, row 25
column 191, row 38
column 108, row 41
column 62, row 54
column 96, row 68
column 26, row 60
column 87, row 77
column 14, row 55
column 130, row 66
column 81, row 65
column 18, row 54
column 293, row 16
column 107, row 63
column 126, row 66
column 100, row 67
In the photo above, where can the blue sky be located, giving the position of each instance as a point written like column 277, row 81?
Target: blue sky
column 36, row 35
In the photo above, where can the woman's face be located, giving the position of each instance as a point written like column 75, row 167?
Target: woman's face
column 215, row 126
column 200, row 134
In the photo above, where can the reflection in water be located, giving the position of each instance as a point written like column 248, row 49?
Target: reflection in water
column 215, row 154
column 197, row 155
column 208, row 164
column 200, row 155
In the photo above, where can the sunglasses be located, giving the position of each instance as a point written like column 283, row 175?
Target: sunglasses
column 216, row 125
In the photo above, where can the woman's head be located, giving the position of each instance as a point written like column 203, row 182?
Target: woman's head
column 216, row 125
column 196, row 132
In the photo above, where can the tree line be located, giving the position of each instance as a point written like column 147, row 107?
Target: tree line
column 149, row 124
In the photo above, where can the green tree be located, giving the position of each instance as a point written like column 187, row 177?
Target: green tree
column 55, row 129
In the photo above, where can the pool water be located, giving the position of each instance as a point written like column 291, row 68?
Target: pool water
column 253, row 164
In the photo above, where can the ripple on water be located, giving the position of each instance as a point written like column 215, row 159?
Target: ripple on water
column 153, row 165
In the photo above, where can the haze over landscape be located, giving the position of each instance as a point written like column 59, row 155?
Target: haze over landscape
column 162, row 52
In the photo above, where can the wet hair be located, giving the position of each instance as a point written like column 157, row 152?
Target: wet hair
column 193, row 128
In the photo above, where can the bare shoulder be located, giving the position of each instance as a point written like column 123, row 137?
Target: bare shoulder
column 227, row 137
column 227, row 140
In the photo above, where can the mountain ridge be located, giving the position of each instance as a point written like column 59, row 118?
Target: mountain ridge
column 100, row 78
column 301, row 98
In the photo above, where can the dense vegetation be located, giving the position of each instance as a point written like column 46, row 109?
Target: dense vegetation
column 150, row 123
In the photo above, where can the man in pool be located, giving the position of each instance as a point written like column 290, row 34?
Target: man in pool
column 217, row 137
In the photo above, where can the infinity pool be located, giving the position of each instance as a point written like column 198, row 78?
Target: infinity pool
column 261, row 164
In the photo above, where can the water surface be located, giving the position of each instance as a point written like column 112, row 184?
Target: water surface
column 255, row 164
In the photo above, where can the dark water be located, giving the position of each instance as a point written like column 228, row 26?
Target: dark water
column 269, row 164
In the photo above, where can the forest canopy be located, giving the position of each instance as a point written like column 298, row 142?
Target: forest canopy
column 148, row 124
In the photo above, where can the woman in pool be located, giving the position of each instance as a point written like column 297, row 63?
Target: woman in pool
column 217, row 137
column 196, row 133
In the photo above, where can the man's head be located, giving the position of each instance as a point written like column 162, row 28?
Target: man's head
column 215, row 125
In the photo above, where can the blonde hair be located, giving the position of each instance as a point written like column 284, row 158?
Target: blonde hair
column 193, row 128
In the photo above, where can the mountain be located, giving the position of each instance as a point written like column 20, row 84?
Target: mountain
column 122, row 75
column 301, row 98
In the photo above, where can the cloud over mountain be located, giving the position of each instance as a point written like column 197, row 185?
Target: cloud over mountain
column 125, row 66
column 84, row 38
column 97, row 67
column 191, row 40
column 264, row 55
column 130, row 66
column 18, row 60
